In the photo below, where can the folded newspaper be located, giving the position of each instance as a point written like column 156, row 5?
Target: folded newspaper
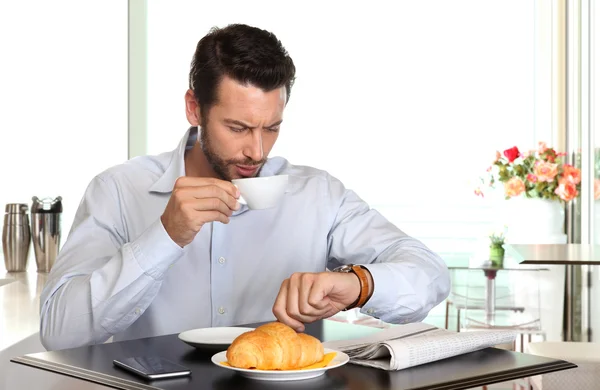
column 403, row 346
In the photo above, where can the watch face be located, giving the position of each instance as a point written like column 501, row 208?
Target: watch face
column 343, row 268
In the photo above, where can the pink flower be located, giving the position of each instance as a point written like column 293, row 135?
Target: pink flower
column 596, row 189
column 498, row 156
column 566, row 190
column 542, row 147
column 532, row 178
column 514, row 187
column 478, row 192
column 571, row 174
column 545, row 171
column 489, row 169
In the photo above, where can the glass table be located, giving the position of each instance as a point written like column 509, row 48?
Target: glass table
column 490, row 273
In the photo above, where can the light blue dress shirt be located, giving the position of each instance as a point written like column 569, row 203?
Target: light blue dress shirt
column 120, row 275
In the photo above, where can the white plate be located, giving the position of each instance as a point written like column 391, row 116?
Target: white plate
column 218, row 338
column 283, row 375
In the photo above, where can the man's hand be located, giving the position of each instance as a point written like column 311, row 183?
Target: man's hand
column 196, row 201
column 308, row 297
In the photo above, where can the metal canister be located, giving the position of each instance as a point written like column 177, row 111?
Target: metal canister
column 46, row 230
column 16, row 237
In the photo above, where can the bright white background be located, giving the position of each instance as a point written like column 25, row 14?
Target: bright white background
column 406, row 102
column 63, row 98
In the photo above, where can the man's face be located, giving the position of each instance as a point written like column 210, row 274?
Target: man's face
column 241, row 128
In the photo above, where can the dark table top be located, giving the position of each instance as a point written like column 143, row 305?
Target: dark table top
column 568, row 254
column 469, row 261
column 94, row 363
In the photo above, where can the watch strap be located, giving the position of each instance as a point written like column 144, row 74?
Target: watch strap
column 361, row 273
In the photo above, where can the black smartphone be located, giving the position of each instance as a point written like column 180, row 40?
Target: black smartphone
column 152, row 367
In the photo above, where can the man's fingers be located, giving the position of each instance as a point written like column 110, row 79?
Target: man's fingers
column 212, row 216
column 209, row 192
column 293, row 297
column 225, row 191
column 304, row 298
column 299, row 289
column 318, row 294
column 324, row 307
column 188, row 181
column 311, row 297
column 280, row 301
column 209, row 204
column 304, row 287
column 280, row 310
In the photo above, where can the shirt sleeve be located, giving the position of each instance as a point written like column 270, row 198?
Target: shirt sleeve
column 100, row 283
column 409, row 279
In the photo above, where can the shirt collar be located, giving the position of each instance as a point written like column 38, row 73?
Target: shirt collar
column 176, row 167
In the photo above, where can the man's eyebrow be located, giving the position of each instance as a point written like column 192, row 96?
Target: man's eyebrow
column 239, row 123
column 245, row 125
column 275, row 124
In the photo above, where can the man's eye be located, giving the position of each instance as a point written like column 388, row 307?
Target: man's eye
column 273, row 129
column 237, row 129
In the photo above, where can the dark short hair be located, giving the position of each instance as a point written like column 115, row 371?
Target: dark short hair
column 246, row 54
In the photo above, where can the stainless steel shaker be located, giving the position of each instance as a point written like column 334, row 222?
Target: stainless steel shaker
column 16, row 237
column 45, row 230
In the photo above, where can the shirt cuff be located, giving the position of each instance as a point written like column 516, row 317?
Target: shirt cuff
column 382, row 299
column 155, row 251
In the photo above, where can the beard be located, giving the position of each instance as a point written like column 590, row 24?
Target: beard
column 224, row 168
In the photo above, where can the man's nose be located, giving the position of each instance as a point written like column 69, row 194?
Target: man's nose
column 254, row 149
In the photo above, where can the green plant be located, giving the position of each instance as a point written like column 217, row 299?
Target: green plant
column 496, row 240
column 496, row 249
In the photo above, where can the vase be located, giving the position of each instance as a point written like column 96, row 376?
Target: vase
column 540, row 221
column 497, row 256
column 533, row 221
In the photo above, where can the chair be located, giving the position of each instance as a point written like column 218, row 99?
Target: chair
column 457, row 298
column 503, row 299
column 585, row 355
column 459, row 302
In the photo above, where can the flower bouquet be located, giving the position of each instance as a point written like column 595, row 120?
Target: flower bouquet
column 537, row 173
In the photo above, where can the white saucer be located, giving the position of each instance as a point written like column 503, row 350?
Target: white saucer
column 283, row 375
column 212, row 338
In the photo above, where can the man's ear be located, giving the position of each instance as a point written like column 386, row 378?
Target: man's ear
column 192, row 109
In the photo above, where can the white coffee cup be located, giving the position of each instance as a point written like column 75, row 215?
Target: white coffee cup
column 261, row 192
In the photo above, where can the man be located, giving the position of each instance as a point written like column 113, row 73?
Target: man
column 160, row 244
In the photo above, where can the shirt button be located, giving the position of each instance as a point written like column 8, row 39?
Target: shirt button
column 221, row 260
column 221, row 310
column 370, row 311
column 137, row 310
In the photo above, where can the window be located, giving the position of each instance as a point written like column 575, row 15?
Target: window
column 405, row 102
column 63, row 99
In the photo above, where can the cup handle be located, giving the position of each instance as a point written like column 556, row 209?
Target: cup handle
column 241, row 198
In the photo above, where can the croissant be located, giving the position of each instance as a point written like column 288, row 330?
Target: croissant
column 274, row 346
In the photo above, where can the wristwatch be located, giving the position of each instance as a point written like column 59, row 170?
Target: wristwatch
column 361, row 272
